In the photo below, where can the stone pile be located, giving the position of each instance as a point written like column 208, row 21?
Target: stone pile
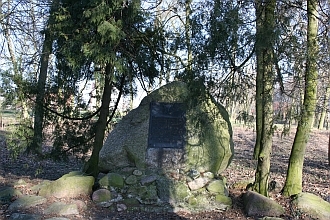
column 136, row 190
column 114, row 194
column 48, row 198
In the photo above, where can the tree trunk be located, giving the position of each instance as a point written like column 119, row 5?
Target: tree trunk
column 36, row 146
column 324, row 108
column 329, row 151
column 259, row 81
column 293, row 184
column 265, row 27
column 91, row 167
column 188, row 39
column 131, row 92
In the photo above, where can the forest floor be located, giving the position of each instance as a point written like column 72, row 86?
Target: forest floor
column 316, row 176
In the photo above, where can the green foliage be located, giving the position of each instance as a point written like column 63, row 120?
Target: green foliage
column 112, row 30
column 88, row 36
column 19, row 137
column 71, row 137
column 7, row 90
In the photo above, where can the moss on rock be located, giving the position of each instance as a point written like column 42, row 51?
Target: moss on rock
column 68, row 186
column 130, row 180
column 208, row 150
column 112, row 179
column 209, row 134
column 256, row 204
column 312, row 205
column 222, row 199
column 7, row 193
column 217, row 187
column 26, row 201
column 101, row 195
column 181, row 191
column 60, row 208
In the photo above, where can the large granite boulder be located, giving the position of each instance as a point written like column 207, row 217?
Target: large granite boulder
column 26, row 201
column 177, row 166
column 208, row 142
column 256, row 204
column 312, row 205
column 71, row 185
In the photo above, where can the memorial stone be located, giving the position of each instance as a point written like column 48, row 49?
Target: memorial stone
column 200, row 135
column 174, row 139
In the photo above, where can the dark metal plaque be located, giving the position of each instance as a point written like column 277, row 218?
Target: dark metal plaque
column 167, row 125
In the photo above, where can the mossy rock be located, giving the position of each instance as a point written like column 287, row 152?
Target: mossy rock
column 73, row 173
column 134, row 158
column 224, row 200
column 165, row 188
column 70, row 186
column 112, row 179
column 7, row 193
column 198, row 203
column 146, row 193
column 131, row 202
column 256, row 204
column 101, row 195
column 20, row 183
column 209, row 141
column 26, row 201
column 181, row 191
column 149, row 194
column 37, row 188
column 312, row 205
column 192, row 201
column 131, row 180
column 60, row 208
column 217, row 187
column 209, row 131
column 134, row 190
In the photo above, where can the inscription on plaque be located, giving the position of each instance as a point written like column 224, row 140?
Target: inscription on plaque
column 167, row 125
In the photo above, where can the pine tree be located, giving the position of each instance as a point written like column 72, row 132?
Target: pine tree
column 113, row 36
